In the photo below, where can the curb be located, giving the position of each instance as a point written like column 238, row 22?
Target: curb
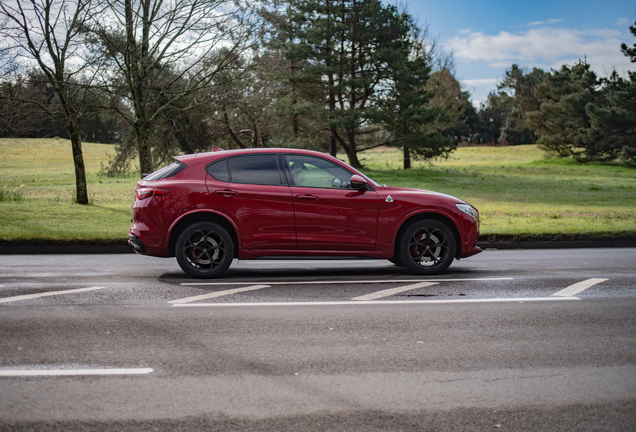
column 82, row 249
column 70, row 249
column 591, row 244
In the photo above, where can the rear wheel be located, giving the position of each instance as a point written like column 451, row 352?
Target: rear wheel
column 204, row 250
column 427, row 247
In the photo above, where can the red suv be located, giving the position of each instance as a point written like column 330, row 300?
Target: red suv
column 209, row 208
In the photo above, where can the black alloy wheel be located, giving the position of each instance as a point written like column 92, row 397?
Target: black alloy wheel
column 204, row 250
column 427, row 247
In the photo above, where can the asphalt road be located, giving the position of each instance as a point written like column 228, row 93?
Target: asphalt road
column 506, row 340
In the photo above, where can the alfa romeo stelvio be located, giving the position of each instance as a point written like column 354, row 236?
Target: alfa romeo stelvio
column 207, row 209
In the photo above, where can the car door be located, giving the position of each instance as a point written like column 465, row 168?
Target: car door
column 330, row 214
column 252, row 191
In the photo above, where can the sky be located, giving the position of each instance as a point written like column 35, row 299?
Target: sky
column 487, row 37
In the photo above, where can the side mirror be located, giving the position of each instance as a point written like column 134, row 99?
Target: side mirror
column 358, row 182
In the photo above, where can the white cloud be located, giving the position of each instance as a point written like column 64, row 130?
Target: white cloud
column 544, row 47
column 482, row 82
column 623, row 22
column 550, row 21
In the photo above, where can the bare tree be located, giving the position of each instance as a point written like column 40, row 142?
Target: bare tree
column 163, row 51
column 48, row 33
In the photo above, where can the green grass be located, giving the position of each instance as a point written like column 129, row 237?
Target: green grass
column 519, row 194
column 42, row 171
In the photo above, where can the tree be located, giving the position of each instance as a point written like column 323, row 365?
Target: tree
column 563, row 120
column 449, row 99
column 161, row 52
column 346, row 48
column 587, row 117
column 243, row 104
column 612, row 132
column 493, row 113
column 416, row 107
column 48, row 32
column 522, row 84
column 630, row 52
column 20, row 112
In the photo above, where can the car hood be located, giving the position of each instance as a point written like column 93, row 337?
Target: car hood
column 409, row 194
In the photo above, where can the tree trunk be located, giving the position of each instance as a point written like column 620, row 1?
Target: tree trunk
column 350, row 150
column 229, row 130
column 254, row 136
column 407, row 156
column 142, row 132
column 81, row 189
column 333, row 146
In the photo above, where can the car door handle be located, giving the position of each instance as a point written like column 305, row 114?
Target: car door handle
column 226, row 192
column 307, row 197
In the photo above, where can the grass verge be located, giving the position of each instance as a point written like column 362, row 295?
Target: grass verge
column 520, row 195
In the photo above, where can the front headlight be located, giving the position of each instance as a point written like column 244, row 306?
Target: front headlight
column 468, row 209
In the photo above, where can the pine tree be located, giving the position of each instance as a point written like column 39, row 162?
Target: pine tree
column 346, row 49
column 563, row 121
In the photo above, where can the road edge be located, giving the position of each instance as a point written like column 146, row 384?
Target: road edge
column 81, row 249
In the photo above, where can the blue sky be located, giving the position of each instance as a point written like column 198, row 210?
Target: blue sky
column 486, row 37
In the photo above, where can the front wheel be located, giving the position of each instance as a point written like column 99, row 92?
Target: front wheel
column 427, row 247
column 204, row 250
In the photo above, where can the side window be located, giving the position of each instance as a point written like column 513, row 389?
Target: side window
column 219, row 171
column 250, row 169
column 317, row 172
column 255, row 169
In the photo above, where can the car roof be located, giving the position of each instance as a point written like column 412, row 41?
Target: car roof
column 220, row 153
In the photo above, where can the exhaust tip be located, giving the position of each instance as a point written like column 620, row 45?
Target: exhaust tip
column 137, row 245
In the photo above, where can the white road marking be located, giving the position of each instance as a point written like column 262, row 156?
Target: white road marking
column 577, row 288
column 217, row 294
column 387, row 281
column 46, row 294
column 70, row 372
column 383, row 302
column 393, row 291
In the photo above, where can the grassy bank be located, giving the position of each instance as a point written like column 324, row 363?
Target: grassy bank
column 519, row 194
column 38, row 184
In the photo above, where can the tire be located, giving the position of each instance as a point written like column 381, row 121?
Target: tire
column 427, row 247
column 204, row 250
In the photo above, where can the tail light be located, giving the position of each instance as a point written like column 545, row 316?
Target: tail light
column 146, row 192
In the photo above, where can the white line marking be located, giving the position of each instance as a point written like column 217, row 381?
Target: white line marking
column 393, row 291
column 345, row 282
column 578, row 287
column 217, row 294
column 383, row 302
column 69, row 372
column 46, row 294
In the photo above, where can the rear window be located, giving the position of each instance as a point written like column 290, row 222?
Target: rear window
column 167, row 171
